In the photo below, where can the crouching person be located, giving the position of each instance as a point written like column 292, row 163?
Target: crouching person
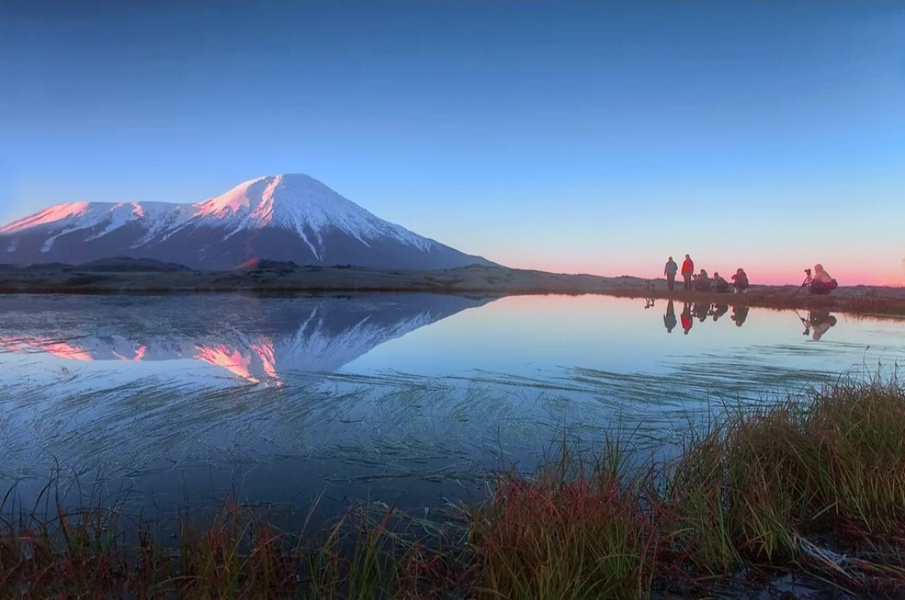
column 740, row 281
column 720, row 285
column 821, row 282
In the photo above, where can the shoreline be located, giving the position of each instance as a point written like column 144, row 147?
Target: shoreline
column 468, row 281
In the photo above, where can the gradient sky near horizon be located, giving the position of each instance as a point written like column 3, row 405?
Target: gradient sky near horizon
column 565, row 136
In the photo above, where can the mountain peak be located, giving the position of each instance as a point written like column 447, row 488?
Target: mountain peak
column 258, row 197
column 298, row 203
column 280, row 217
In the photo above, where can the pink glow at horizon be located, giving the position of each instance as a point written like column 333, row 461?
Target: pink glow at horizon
column 848, row 272
column 51, row 215
column 847, row 269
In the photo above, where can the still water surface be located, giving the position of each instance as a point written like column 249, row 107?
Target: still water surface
column 405, row 398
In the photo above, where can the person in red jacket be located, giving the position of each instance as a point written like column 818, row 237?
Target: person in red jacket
column 687, row 271
column 740, row 281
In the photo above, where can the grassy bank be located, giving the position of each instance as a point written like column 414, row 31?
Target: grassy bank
column 471, row 280
column 814, row 486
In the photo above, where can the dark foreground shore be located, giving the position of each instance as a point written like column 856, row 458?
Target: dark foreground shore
column 136, row 277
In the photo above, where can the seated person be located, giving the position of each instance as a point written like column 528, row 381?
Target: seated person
column 702, row 282
column 740, row 281
column 720, row 285
column 821, row 282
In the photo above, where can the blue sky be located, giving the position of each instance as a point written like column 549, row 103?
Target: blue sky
column 576, row 137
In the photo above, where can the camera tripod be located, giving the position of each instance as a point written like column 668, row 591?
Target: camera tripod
column 805, row 283
column 805, row 322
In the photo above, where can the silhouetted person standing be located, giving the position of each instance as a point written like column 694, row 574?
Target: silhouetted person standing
column 687, row 271
column 670, row 271
column 669, row 319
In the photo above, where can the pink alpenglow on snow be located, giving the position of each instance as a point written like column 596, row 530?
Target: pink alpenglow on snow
column 303, row 221
column 53, row 214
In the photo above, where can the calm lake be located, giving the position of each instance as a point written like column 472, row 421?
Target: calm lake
column 164, row 402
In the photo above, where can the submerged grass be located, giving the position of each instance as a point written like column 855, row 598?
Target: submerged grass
column 814, row 485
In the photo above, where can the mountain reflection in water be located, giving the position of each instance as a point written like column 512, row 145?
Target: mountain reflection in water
column 406, row 398
column 255, row 340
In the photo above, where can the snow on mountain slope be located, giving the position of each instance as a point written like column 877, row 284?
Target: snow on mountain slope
column 61, row 219
column 66, row 218
column 307, row 222
column 295, row 202
column 300, row 204
column 50, row 216
column 161, row 218
column 77, row 215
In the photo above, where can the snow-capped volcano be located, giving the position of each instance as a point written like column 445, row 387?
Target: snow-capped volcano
column 278, row 217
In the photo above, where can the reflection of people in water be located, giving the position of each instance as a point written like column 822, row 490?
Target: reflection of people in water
column 669, row 319
column 649, row 301
column 718, row 311
column 700, row 310
column 820, row 321
column 687, row 321
column 739, row 314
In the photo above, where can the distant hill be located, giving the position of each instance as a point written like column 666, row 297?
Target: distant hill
column 279, row 218
column 120, row 264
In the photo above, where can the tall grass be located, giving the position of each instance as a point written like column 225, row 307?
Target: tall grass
column 749, row 486
column 238, row 553
column 575, row 531
column 752, row 487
